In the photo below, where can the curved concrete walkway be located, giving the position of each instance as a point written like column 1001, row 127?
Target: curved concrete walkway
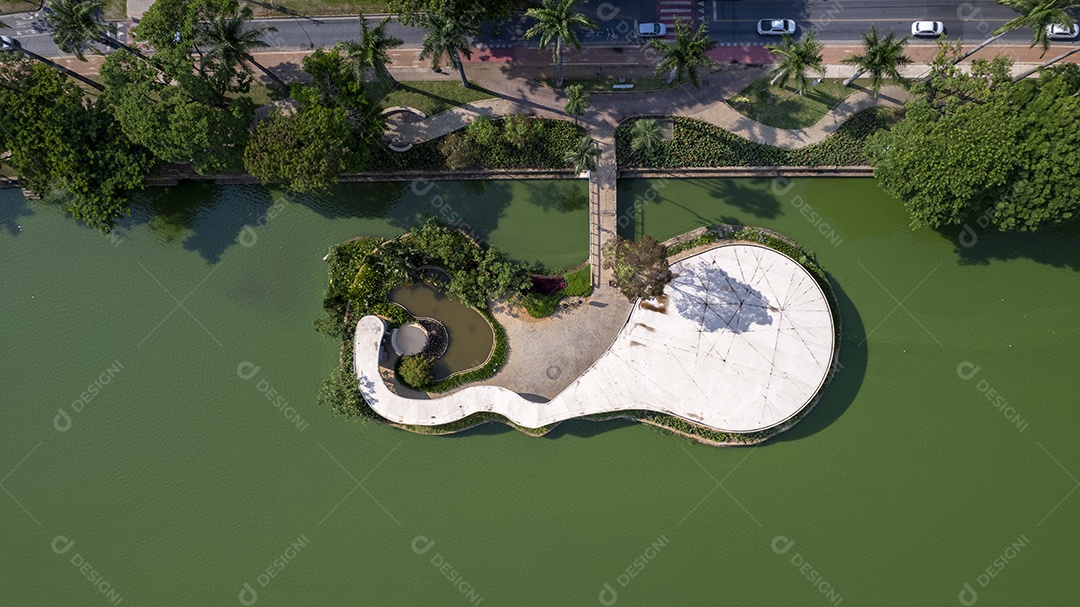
column 743, row 342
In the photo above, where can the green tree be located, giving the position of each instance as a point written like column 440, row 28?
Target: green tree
column 333, row 85
column 67, row 148
column 795, row 59
column 645, row 135
column 370, row 50
column 882, row 57
column 577, row 101
column 304, row 151
column 583, row 156
column 182, row 121
column 232, row 39
column 945, row 166
column 415, row 371
column 688, row 52
column 1038, row 14
column 447, row 37
column 1009, row 152
column 640, row 267
column 556, row 24
column 472, row 12
column 77, row 24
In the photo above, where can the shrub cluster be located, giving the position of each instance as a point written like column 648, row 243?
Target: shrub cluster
column 415, row 371
column 362, row 272
column 514, row 142
column 700, row 144
column 543, row 299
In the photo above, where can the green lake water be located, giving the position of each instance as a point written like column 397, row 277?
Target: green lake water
column 159, row 394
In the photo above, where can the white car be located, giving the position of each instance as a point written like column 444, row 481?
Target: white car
column 775, row 27
column 927, row 29
column 651, row 30
column 1057, row 31
column 6, row 43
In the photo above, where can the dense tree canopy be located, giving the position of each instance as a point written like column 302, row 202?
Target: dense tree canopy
column 65, row 147
column 980, row 144
column 185, row 121
column 469, row 12
column 303, row 151
column 640, row 266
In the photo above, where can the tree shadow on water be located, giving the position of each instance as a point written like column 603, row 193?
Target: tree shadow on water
column 14, row 205
column 454, row 204
column 1052, row 245
column 562, row 196
column 848, row 378
column 756, row 201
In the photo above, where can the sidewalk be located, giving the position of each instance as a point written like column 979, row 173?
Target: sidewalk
column 136, row 8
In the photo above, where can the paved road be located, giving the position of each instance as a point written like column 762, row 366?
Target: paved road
column 732, row 22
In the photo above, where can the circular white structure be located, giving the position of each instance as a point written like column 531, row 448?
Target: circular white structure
column 409, row 339
column 743, row 341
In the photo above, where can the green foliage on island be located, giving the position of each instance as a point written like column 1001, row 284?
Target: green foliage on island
column 514, row 142
column 979, row 144
column 640, row 267
column 415, row 371
column 578, row 284
column 700, row 144
column 363, row 271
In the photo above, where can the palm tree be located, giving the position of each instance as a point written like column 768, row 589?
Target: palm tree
column 447, row 36
column 686, row 54
column 794, row 59
column 883, row 58
column 231, row 40
column 577, row 101
column 645, row 135
column 369, row 51
column 583, row 157
column 557, row 22
column 1036, row 14
column 76, row 24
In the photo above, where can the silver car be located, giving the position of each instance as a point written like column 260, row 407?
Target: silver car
column 775, row 27
column 1057, row 31
column 6, row 43
column 651, row 30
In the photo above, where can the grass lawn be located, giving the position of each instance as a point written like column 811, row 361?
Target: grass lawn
column 116, row 10
column 279, row 8
column 603, row 85
column 578, row 284
column 18, row 6
column 784, row 108
column 262, row 93
column 428, row 96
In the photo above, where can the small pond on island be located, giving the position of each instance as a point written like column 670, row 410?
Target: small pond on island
column 471, row 338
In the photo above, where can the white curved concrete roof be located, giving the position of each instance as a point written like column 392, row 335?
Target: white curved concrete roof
column 744, row 343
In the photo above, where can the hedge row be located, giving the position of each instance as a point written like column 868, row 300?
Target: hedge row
column 545, row 147
column 700, row 144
